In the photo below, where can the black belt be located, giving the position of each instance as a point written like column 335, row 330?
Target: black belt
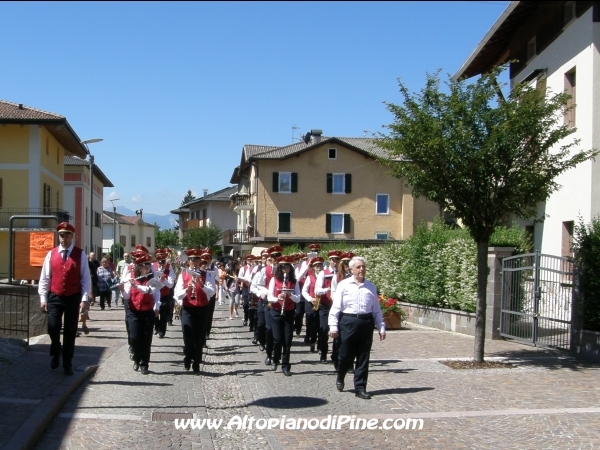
column 359, row 316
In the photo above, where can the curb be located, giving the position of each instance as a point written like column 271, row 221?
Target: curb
column 28, row 433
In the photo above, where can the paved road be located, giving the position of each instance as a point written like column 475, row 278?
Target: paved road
column 546, row 401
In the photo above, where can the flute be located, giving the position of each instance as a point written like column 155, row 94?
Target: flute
column 131, row 280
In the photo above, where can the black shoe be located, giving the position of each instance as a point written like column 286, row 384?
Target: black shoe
column 170, row 322
column 244, row 323
column 187, row 363
column 274, row 367
column 131, row 356
column 55, row 361
column 251, row 329
column 267, row 361
column 155, row 332
column 298, row 332
column 323, row 359
column 261, row 348
column 196, row 367
column 312, row 348
column 68, row 371
column 255, row 341
column 287, row 372
column 144, row 370
column 161, row 335
column 136, row 366
column 339, row 384
column 363, row 394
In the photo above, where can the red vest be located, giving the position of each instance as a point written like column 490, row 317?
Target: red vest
column 201, row 298
column 326, row 299
column 268, row 275
column 138, row 301
column 65, row 277
column 289, row 303
column 164, row 291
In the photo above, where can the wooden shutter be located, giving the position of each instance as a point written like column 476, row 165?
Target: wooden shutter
column 285, row 225
column 327, row 223
column 348, row 184
column 275, row 181
column 346, row 223
column 0, row 192
column 329, row 185
column 294, row 182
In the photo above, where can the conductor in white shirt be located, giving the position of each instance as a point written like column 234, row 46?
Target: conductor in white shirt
column 354, row 313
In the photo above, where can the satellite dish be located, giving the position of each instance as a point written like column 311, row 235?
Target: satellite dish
column 306, row 138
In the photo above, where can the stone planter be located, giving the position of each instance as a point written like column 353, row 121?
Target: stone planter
column 393, row 320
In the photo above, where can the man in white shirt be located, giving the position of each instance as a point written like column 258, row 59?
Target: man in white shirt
column 354, row 313
column 65, row 283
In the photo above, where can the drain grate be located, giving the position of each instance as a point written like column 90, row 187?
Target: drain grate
column 170, row 417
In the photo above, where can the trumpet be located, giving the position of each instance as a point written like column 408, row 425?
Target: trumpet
column 317, row 302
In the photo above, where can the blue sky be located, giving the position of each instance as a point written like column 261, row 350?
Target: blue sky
column 176, row 89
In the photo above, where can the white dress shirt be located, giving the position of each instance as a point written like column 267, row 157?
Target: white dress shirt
column 84, row 275
column 144, row 290
column 181, row 292
column 295, row 296
column 352, row 297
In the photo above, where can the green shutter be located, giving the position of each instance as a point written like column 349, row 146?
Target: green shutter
column 285, row 220
column 346, row 223
column 329, row 184
column 348, row 184
column 275, row 181
column 327, row 223
column 294, row 182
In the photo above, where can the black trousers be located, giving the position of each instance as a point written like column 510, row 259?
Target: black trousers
column 246, row 302
column 268, row 331
column 252, row 316
column 140, row 334
column 59, row 306
column 312, row 323
column 299, row 316
column 171, row 307
column 283, row 334
column 126, row 308
column 259, row 325
column 193, row 325
column 356, row 339
column 105, row 297
column 160, row 323
column 323, row 330
column 209, row 317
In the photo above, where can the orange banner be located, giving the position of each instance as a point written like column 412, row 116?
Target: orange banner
column 39, row 246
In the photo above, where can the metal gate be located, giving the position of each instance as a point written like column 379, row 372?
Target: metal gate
column 537, row 293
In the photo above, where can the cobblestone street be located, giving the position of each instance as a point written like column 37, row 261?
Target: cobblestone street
column 546, row 401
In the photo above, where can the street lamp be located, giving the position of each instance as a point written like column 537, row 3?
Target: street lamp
column 114, row 255
column 91, row 161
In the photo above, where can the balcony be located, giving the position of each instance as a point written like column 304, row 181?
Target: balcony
column 193, row 223
column 7, row 213
column 241, row 202
column 236, row 237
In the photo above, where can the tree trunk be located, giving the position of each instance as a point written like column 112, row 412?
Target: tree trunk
column 482, row 276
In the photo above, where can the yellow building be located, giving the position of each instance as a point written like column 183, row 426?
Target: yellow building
column 33, row 144
column 322, row 190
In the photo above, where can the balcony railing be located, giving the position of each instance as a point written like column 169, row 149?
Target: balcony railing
column 236, row 237
column 241, row 201
column 7, row 213
column 193, row 223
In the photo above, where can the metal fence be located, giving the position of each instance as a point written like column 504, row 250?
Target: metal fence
column 14, row 310
column 537, row 294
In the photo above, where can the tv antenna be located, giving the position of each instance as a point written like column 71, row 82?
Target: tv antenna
column 365, row 133
column 294, row 138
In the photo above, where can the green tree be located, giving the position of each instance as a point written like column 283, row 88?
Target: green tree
column 481, row 155
column 188, row 198
column 166, row 238
column 202, row 237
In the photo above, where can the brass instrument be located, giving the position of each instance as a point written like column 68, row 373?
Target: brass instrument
column 317, row 302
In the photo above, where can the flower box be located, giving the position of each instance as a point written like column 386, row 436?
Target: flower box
column 392, row 320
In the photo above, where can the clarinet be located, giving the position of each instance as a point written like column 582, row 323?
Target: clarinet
column 284, row 287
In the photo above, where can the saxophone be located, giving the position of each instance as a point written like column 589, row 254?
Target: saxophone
column 317, row 302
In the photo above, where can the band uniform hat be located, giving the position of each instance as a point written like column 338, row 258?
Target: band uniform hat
column 161, row 250
column 285, row 259
column 146, row 258
column 193, row 253
column 142, row 248
column 275, row 250
column 347, row 256
column 65, row 226
column 206, row 252
column 137, row 253
column 264, row 253
column 315, row 247
column 317, row 260
column 334, row 254
column 250, row 258
column 160, row 256
column 303, row 255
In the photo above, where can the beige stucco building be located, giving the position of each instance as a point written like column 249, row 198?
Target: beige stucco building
column 322, row 190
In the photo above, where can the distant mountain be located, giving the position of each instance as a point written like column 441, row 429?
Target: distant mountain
column 166, row 222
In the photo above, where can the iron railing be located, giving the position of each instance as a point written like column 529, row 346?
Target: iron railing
column 14, row 310
column 24, row 222
column 236, row 237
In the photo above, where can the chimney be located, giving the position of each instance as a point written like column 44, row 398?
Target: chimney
column 20, row 105
column 205, row 192
column 317, row 134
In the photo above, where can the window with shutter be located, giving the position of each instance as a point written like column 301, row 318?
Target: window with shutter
column 285, row 182
column 327, row 223
column 382, row 204
column 284, row 222
column 339, row 183
column 275, row 181
column 348, row 181
column 294, row 182
column 346, row 223
column 335, row 223
column 329, row 183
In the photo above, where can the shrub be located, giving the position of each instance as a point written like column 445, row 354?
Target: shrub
column 587, row 256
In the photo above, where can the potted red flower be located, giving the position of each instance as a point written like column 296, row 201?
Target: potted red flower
column 393, row 314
